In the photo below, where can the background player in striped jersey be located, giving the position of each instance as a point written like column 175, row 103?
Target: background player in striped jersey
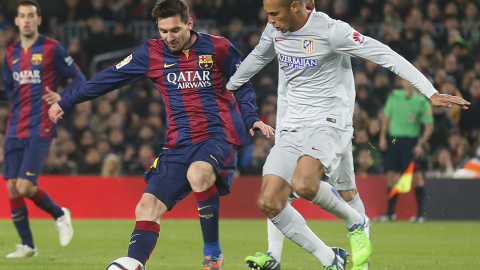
column 314, row 54
column 33, row 67
column 205, row 123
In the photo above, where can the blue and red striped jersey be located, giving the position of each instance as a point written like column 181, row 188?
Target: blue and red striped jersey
column 192, row 84
column 27, row 72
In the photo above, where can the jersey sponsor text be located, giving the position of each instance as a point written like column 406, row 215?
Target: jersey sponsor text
column 294, row 62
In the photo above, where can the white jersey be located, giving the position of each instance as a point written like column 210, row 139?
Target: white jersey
column 315, row 61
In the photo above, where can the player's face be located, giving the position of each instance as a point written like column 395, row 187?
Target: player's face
column 27, row 21
column 279, row 15
column 175, row 33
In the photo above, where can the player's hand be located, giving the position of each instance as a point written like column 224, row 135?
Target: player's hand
column 447, row 100
column 55, row 113
column 264, row 128
column 50, row 96
column 417, row 150
column 382, row 144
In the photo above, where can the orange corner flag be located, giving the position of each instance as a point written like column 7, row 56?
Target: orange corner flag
column 404, row 184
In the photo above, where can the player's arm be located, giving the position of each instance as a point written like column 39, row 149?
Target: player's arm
column 67, row 67
column 133, row 68
column 345, row 40
column 263, row 54
column 245, row 96
column 427, row 119
column 385, row 127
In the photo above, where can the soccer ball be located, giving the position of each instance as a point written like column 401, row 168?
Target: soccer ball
column 125, row 263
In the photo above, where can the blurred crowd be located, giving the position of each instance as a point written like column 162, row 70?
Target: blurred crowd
column 121, row 133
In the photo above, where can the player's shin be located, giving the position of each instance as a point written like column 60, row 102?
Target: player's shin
column 208, row 212
column 294, row 227
column 329, row 199
column 143, row 240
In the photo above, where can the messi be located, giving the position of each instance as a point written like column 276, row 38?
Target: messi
column 190, row 79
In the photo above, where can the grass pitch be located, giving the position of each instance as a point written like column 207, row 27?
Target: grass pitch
column 399, row 245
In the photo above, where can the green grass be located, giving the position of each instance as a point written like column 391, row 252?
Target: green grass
column 400, row 245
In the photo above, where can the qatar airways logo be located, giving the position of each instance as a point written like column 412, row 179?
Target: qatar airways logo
column 294, row 62
column 27, row 77
column 190, row 79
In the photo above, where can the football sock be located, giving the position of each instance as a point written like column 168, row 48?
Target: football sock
column 20, row 220
column 208, row 211
column 143, row 240
column 294, row 227
column 328, row 198
column 44, row 202
column 419, row 195
column 357, row 204
column 275, row 238
column 391, row 204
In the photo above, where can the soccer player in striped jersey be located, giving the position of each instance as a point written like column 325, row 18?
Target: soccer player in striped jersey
column 33, row 67
column 205, row 123
column 314, row 55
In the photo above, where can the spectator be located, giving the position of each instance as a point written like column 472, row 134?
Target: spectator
column 91, row 163
column 442, row 166
column 111, row 165
column 99, row 122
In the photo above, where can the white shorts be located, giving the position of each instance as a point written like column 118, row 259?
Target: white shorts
column 331, row 146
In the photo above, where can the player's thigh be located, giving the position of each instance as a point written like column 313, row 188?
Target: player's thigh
column 343, row 178
column 283, row 157
column 218, row 160
column 34, row 156
column 13, row 157
column 167, row 181
column 327, row 144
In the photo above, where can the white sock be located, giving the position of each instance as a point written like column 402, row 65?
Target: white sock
column 275, row 241
column 294, row 227
column 357, row 204
column 275, row 238
column 328, row 198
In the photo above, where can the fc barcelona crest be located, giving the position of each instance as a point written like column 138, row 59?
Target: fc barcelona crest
column 205, row 61
column 308, row 45
column 37, row 59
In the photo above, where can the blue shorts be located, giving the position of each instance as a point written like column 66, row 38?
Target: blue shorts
column 167, row 179
column 399, row 153
column 24, row 157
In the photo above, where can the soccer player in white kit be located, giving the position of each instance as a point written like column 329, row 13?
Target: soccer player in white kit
column 314, row 53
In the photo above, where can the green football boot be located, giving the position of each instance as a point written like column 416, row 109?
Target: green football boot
column 262, row 261
column 360, row 245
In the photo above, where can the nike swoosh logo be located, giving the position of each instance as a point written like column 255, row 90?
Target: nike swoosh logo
column 165, row 65
column 16, row 214
column 31, row 174
column 278, row 40
column 200, row 208
column 15, row 61
column 340, row 182
column 313, row 148
column 214, row 159
column 134, row 235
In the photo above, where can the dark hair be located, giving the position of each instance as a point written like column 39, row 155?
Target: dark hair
column 30, row 3
column 287, row 3
column 170, row 8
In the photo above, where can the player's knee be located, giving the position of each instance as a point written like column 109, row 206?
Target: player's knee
column 25, row 188
column 270, row 206
column 347, row 195
column 12, row 188
column 149, row 210
column 305, row 190
column 201, row 176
